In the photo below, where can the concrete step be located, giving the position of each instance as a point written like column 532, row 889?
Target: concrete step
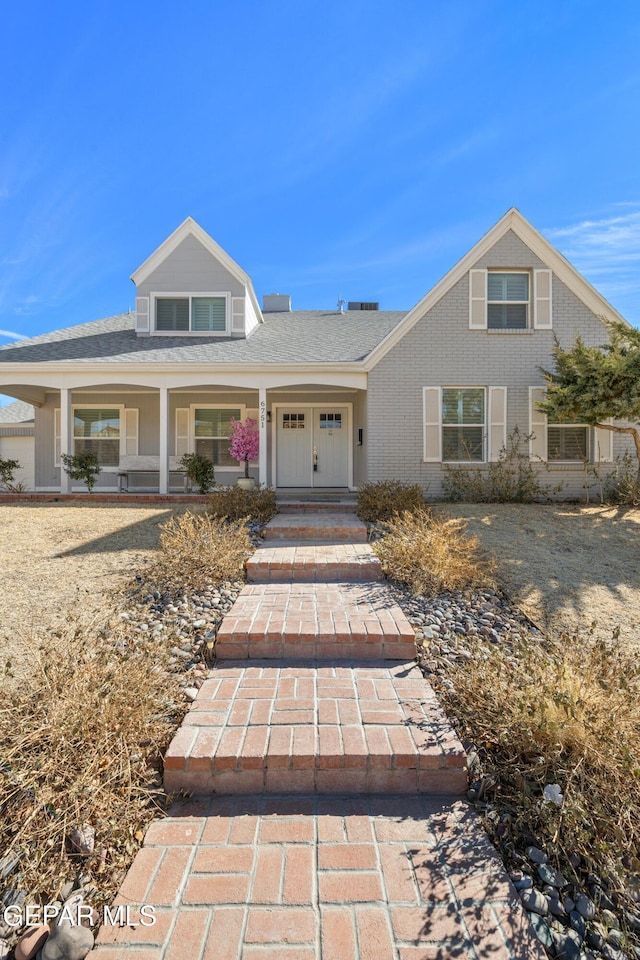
column 338, row 527
column 335, row 621
column 294, row 727
column 286, row 561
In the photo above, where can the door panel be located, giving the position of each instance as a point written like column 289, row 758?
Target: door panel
column 331, row 443
column 295, row 447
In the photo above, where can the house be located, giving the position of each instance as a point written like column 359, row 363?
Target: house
column 341, row 398
column 17, row 440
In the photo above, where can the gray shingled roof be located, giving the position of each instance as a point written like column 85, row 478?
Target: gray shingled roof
column 17, row 412
column 299, row 336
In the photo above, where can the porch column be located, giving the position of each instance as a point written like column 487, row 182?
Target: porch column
column 66, row 439
column 262, row 427
column 164, row 440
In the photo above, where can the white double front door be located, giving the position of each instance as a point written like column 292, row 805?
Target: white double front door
column 312, row 446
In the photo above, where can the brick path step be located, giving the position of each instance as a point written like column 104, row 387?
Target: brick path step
column 341, row 527
column 317, row 506
column 286, row 561
column 316, row 620
column 371, row 727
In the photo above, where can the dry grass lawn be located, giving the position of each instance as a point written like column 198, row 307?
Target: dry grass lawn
column 59, row 561
column 566, row 566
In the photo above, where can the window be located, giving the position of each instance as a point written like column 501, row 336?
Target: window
column 507, row 301
column 566, row 442
column 463, row 423
column 212, row 427
column 98, row 431
column 293, row 421
column 189, row 314
column 331, row 421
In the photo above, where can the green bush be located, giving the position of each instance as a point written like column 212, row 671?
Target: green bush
column 7, row 470
column 379, row 502
column 234, row 503
column 199, row 470
column 512, row 478
column 82, row 466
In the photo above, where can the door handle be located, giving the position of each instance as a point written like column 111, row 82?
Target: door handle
column 315, row 459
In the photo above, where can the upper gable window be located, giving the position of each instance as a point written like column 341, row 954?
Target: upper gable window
column 191, row 314
column 507, row 301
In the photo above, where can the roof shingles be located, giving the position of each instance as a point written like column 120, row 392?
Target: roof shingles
column 298, row 336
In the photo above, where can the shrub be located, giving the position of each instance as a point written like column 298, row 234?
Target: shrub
column 512, row 478
column 82, row 466
column 378, row 502
column 199, row 470
column 237, row 504
column 7, row 470
column 565, row 712
column 430, row 553
column 620, row 486
column 196, row 549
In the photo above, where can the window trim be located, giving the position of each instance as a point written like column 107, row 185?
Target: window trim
column 190, row 295
column 484, row 426
column 529, row 301
column 242, row 407
column 581, row 426
column 120, row 407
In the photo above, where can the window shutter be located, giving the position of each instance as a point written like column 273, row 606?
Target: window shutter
column 497, row 421
column 57, row 437
column 432, row 425
column 142, row 314
column 603, row 445
column 182, row 431
column 237, row 310
column 537, row 425
column 477, row 299
column 131, row 432
column 542, row 300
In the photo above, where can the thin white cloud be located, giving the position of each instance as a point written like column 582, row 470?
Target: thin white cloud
column 607, row 251
column 12, row 335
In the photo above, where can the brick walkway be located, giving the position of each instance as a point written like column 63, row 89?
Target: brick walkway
column 319, row 830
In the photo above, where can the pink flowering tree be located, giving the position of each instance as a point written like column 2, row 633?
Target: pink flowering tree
column 245, row 441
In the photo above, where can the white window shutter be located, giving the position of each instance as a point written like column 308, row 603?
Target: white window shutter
column 142, row 314
column 182, row 431
column 477, row 299
column 57, row 437
column 432, row 425
column 237, row 314
column 542, row 300
column 497, row 421
column 603, row 445
column 131, row 431
column 537, row 425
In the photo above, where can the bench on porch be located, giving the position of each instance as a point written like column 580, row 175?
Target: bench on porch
column 134, row 465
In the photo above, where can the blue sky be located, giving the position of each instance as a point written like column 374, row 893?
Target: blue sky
column 352, row 149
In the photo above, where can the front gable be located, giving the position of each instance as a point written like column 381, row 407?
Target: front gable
column 191, row 287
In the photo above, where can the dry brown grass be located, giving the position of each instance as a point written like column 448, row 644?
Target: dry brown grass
column 83, row 742
column 431, row 553
column 566, row 713
column 198, row 549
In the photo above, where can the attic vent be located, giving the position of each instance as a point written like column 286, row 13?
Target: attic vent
column 276, row 303
column 362, row 305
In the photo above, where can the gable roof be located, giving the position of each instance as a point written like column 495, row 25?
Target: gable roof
column 512, row 220
column 294, row 337
column 189, row 228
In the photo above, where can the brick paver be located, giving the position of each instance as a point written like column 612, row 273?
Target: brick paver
column 337, row 878
column 373, row 727
column 286, row 561
column 331, row 621
column 317, row 526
